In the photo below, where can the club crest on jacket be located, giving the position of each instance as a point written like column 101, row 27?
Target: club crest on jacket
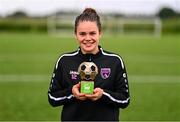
column 105, row 73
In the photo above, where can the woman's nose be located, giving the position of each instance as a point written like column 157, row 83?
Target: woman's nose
column 88, row 37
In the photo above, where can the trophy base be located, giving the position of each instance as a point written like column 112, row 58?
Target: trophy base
column 87, row 87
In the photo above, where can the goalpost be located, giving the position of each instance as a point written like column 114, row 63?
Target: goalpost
column 133, row 26
column 63, row 25
column 60, row 25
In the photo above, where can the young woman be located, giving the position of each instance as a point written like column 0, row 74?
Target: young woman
column 111, row 90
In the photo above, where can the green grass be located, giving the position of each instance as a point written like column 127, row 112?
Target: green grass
column 25, row 101
column 27, row 61
column 153, row 102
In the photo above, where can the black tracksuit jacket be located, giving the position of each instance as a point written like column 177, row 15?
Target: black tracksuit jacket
column 112, row 78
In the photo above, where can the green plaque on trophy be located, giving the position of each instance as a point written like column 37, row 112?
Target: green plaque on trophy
column 87, row 87
column 87, row 72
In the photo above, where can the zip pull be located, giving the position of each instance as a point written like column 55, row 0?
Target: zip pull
column 90, row 58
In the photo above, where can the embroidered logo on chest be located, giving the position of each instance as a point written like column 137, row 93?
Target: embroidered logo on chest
column 74, row 75
column 105, row 73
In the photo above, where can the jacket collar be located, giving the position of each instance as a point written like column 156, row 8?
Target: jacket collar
column 90, row 57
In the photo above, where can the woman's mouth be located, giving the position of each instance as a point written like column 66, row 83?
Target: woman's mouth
column 88, row 43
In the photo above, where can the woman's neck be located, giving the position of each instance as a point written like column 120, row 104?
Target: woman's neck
column 92, row 52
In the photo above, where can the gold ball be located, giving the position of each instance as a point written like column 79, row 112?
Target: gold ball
column 88, row 71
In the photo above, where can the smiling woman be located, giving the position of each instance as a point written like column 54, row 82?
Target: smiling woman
column 88, row 31
column 111, row 90
column 88, row 37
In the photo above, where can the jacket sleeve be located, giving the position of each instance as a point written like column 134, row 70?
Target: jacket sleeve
column 59, row 92
column 119, row 96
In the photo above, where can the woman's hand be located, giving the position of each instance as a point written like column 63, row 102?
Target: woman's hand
column 98, row 92
column 76, row 93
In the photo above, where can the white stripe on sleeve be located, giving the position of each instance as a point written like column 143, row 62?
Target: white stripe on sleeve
column 104, row 53
column 60, row 98
column 115, row 100
column 72, row 54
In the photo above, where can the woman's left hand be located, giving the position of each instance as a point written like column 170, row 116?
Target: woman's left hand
column 98, row 92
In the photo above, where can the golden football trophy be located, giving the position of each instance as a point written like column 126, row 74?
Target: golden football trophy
column 87, row 72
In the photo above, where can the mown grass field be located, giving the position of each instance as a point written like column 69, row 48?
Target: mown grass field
column 27, row 61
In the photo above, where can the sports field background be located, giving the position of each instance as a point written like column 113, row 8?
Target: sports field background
column 27, row 61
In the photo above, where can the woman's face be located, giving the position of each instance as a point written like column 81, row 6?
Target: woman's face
column 88, row 36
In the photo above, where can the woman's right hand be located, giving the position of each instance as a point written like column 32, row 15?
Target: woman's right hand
column 76, row 93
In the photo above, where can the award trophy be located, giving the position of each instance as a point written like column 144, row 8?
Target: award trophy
column 87, row 72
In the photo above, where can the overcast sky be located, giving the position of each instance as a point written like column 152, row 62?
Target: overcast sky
column 43, row 7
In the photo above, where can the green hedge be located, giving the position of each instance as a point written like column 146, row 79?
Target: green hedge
column 171, row 25
column 23, row 25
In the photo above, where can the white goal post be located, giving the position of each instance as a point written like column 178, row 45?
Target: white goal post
column 149, row 25
column 63, row 25
column 60, row 25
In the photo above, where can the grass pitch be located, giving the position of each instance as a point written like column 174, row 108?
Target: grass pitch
column 27, row 61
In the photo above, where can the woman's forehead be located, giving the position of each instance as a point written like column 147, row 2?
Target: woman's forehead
column 84, row 25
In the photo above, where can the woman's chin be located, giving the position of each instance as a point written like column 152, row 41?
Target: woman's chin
column 88, row 49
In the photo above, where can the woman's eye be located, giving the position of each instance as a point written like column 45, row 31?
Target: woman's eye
column 82, row 34
column 92, row 33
